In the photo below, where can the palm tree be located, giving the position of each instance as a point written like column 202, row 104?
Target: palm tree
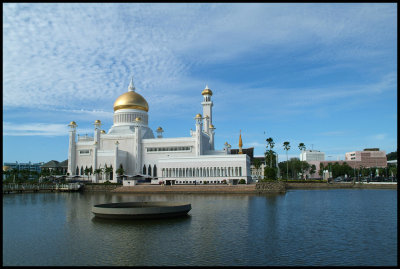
column 108, row 171
column 257, row 164
column 302, row 147
column 286, row 146
column 87, row 171
column 271, row 144
column 97, row 172
column 120, row 171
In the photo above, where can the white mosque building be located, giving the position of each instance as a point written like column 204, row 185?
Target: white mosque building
column 131, row 145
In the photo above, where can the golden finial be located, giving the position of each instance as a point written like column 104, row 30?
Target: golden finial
column 240, row 143
column 206, row 91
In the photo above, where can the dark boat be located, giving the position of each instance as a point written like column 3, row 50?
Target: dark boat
column 141, row 210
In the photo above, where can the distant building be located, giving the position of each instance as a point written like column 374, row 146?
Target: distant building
column 257, row 173
column 312, row 155
column 24, row 166
column 367, row 158
column 56, row 167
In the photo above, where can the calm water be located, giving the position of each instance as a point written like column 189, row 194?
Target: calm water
column 301, row 227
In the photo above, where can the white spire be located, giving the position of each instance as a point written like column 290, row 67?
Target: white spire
column 207, row 86
column 131, row 87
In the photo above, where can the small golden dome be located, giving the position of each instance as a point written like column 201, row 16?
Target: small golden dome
column 138, row 119
column 103, row 132
column 131, row 100
column 72, row 123
column 159, row 129
column 198, row 116
column 97, row 122
column 212, row 126
column 5, row 168
column 206, row 91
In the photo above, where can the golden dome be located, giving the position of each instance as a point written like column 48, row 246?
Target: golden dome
column 97, row 122
column 206, row 91
column 103, row 132
column 212, row 126
column 131, row 100
column 159, row 129
column 198, row 116
column 5, row 168
column 72, row 123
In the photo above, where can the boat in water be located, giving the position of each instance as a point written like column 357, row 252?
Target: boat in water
column 141, row 210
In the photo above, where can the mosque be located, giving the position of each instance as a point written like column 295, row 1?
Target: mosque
column 131, row 145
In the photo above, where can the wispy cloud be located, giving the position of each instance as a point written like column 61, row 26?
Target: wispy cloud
column 37, row 129
column 378, row 136
column 94, row 48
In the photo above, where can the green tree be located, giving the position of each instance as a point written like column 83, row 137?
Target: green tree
column 271, row 145
column 286, row 146
column 97, row 172
column 108, row 171
column 87, row 171
column 270, row 173
column 392, row 156
column 313, row 169
column 301, row 148
column 321, row 169
column 257, row 163
column 120, row 171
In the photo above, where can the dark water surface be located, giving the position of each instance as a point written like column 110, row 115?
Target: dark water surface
column 301, row 227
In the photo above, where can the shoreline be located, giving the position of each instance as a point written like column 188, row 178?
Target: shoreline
column 246, row 189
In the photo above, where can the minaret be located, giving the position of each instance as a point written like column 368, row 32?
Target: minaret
column 116, row 161
column 198, row 136
column 72, row 148
column 159, row 132
column 212, row 133
column 97, row 125
column 138, row 147
column 240, row 143
column 207, row 107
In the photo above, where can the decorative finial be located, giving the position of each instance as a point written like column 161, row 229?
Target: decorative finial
column 240, row 143
column 207, row 86
column 131, row 87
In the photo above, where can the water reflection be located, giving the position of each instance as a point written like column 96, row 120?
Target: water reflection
column 302, row 227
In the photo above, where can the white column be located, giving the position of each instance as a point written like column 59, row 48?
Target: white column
column 72, row 149
column 115, row 165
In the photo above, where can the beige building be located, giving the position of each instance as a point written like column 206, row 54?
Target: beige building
column 367, row 158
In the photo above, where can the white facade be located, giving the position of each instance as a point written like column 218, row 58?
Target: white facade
column 312, row 155
column 131, row 144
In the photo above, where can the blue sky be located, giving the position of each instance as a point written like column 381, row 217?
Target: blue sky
column 321, row 74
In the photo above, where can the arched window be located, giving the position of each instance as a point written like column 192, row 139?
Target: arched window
column 81, row 170
column 149, row 170
column 144, row 169
column 77, row 171
column 155, row 170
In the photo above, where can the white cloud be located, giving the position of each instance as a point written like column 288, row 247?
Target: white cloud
column 76, row 55
column 37, row 129
column 378, row 136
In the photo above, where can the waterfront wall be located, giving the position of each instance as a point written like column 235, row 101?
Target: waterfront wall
column 315, row 185
column 271, row 186
column 187, row 189
column 100, row 187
